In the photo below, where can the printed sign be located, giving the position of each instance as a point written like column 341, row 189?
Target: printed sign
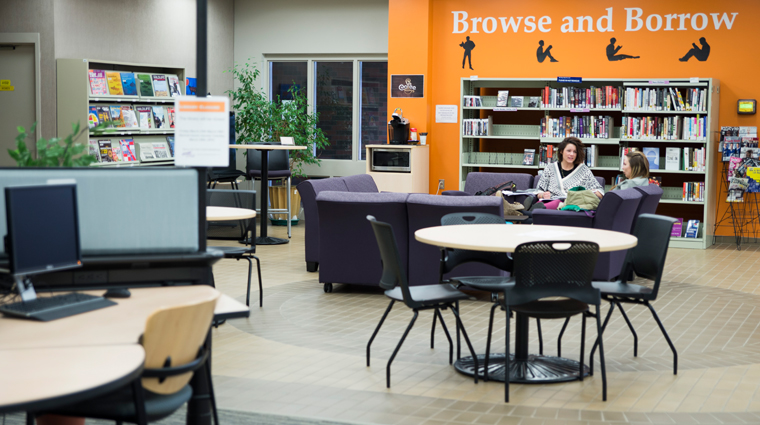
column 569, row 80
column 202, row 131
column 407, row 86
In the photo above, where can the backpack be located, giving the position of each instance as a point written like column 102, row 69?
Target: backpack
column 510, row 185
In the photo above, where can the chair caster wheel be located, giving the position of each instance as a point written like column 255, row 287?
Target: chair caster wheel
column 328, row 287
column 494, row 297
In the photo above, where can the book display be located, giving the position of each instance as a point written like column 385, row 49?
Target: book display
column 137, row 100
column 673, row 122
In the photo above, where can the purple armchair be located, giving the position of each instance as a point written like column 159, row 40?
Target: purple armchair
column 309, row 190
column 426, row 211
column 616, row 212
column 481, row 181
column 650, row 198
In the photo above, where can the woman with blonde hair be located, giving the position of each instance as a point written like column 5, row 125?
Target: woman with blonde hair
column 636, row 171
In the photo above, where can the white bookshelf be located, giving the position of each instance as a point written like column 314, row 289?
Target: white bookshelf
column 516, row 129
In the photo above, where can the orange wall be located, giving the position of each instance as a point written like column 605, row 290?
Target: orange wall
column 421, row 40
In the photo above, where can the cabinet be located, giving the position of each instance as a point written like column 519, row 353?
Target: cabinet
column 75, row 98
column 609, row 115
column 408, row 173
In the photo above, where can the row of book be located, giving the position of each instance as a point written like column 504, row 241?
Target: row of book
column 606, row 97
column 477, row 126
column 116, row 83
column 590, row 127
column 125, row 150
column 691, row 230
column 676, row 159
column 137, row 117
column 694, row 191
column 664, row 128
column 546, row 155
column 503, row 100
column 665, row 99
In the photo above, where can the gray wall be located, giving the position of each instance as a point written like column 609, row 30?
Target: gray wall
column 158, row 32
column 36, row 16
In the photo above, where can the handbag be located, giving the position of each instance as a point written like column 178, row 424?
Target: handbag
column 510, row 185
column 580, row 198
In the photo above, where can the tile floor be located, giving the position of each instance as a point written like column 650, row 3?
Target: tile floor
column 302, row 354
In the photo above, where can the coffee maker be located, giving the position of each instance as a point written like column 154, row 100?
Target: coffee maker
column 398, row 128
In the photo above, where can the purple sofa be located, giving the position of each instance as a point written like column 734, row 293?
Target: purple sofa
column 481, row 181
column 616, row 211
column 650, row 198
column 309, row 190
column 348, row 251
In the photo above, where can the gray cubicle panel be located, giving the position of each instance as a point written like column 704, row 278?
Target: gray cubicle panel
column 124, row 211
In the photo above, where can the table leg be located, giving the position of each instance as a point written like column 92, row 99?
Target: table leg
column 525, row 368
column 263, row 239
column 199, row 406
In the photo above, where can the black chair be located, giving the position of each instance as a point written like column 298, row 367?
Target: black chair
column 553, row 269
column 647, row 260
column 279, row 169
column 230, row 173
column 174, row 349
column 424, row 297
column 236, row 230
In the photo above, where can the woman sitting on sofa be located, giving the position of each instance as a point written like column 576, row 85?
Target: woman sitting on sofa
column 636, row 171
column 569, row 171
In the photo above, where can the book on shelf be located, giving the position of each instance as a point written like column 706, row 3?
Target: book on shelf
column 677, row 230
column 104, row 114
column 534, row 101
column 145, row 117
column 98, row 83
column 129, row 116
column 473, row 101
column 146, row 85
column 190, row 85
column 606, row 97
column 116, row 152
column 159, row 120
column 589, row 127
column 516, row 102
column 618, row 179
column 104, row 147
column 693, row 191
column 502, row 98
column 116, row 117
column 146, row 151
column 529, row 156
column 114, row 84
column 591, row 156
column 160, row 88
column 477, row 126
column 672, row 159
column 653, row 156
column 93, row 148
column 129, row 84
column 692, row 229
column 160, row 151
column 655, row 180
column 128, row 150
column 173, row 82
column 170, row 117
column 92, row 117
column 170, row 141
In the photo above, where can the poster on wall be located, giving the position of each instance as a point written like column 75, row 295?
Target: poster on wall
column 407, row 86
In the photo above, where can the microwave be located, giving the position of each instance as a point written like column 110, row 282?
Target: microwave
column 391, row 160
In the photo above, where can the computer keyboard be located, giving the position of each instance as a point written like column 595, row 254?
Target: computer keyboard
column 55, row 307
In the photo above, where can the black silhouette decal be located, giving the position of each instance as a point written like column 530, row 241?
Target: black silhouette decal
column 467, row 46
column 612, row 52
column 701, row 54
column 542, row 54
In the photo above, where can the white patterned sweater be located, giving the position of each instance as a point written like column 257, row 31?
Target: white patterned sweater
column 552, row 181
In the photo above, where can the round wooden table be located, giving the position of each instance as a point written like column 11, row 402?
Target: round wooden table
column 228, row 214
column 525, row 367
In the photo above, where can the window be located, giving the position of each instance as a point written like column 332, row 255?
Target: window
column 374, row 104
column 286, row 74
column 335, row 105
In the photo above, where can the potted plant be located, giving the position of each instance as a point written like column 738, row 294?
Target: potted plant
column 259, row 119
column 52, row 153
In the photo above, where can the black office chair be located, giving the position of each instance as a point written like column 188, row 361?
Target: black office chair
column 174, row 349
column 647, row 260
column 279, row 169
column 236, row 230
column 424, row 297
column 553, row 269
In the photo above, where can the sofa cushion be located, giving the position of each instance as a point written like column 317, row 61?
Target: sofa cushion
column 426, row 211
column 348, row 251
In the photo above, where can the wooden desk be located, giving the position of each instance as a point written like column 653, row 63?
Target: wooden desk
column 525, row 368
column 228, row 214
column 263, row 239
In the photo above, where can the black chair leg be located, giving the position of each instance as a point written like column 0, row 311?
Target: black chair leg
column 207, row 368
column 667, row 338
column 600, row 332
column 583, row 343
column 261, row 288
column 248, row 291
column 29, row 418
column 633, row 331
column 432, row 330
column 141, row 418
column 506, row 359
column 448, row 336
column 374, row 334
column 559, row 338
column 593, row 348
column 467, row 340
column 459, row 340
column 398, row 347
column 540, row 338
column 488, row 343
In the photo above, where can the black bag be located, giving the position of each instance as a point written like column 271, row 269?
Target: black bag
column 510, row 185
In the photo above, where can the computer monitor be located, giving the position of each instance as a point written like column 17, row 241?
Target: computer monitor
column 43, row 229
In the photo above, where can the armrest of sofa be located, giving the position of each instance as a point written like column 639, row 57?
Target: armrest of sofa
column 562, row 218
column 455, row 193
